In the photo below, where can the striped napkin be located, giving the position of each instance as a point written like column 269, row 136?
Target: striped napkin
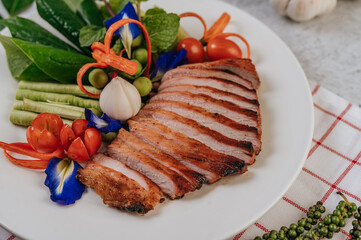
column 333, row 164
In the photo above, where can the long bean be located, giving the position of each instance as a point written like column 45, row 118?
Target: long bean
column 22, row 94
column 25, row 118
column 72, row 89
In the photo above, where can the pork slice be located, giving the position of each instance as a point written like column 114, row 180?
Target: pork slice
column 216, row 122
column 211, row 138
column 171, row 183
column 192, row 145
column 109, row 179
column 212, row 171
column 227, row 109
column 220, row 84
column 242, row 102
column 191, row 176
column 216, row 73
column 240, row 66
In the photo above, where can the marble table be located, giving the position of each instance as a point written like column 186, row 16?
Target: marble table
column 328, row 47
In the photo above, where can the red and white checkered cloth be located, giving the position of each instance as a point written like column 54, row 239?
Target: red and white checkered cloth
column 333, row 164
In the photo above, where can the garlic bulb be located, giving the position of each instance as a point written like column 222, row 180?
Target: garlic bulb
column 120, row 100
column 303, row 10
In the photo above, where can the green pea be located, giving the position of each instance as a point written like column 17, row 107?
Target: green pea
column 137, row 41
column 353, row 207
column 292, row 233
column 139, row 66
column 317, row 214
column 335, row 219
column 332, row 227
column 143, row 85
column 141, row 54
column 98, row 78
column 324, row 231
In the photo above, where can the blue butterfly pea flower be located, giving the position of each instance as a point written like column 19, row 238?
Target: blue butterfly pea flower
column 61, row 179
column 168, row 61
column 103, row 124
column 129, row 31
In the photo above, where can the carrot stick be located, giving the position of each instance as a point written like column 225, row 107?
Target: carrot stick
column 226, row 35
column 192, row 14
column 218, row 26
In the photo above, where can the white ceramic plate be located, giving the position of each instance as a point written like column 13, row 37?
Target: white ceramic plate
column 218, row 211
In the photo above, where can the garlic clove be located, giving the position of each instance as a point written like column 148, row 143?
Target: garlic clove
column 120, row 100
column 280, row 6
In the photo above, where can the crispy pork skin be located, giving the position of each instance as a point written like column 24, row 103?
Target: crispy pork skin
column 240, row 66
column 193, row 177
column 242, row 102
column 192, row 129
column 170, row 182
column 207, row 73
column 220, row 84
column 217, row 122
column 118, row 190
column 243, row 116
column 192, row 145
column 213, row 171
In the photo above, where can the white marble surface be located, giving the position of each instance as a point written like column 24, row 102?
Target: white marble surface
column 328, row 47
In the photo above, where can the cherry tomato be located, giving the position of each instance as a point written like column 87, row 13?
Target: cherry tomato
column 41, row 140
column 79, row 126
column 195, row 49
column 77, row 151
column 80, row 142
column 48, row 121
column 92, row 140
column 219, row 48
column 67, row 136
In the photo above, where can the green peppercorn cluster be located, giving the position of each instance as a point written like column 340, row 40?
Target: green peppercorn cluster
column 355, row 232
column 313, row 227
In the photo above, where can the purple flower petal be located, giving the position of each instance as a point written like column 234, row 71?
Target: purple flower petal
column 61, row 179
column 168, row 61
column 104, row 124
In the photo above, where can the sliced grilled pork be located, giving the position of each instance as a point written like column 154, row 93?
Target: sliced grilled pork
column 193, row 177
column 120, row 186
column 227, row 109
column 205, row 73
column 220, row 84
column 170, row 182
column 192, row 145
column 216, row 122
column 213, row 171
column 211, row 138
column 240, row 66
column 216, row 94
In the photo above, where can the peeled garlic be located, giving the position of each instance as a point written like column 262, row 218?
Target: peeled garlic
column 303, row 10
column 120, row 100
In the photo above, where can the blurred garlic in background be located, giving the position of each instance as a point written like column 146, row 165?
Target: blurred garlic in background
column 303, row 10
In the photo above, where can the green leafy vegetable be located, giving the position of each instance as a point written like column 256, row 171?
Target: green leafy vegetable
column 162, row 29
column 117, row 5
column 20, row 66
column 90, row 13
column 31, row 61
column 1, row 26
column 28, row 30
column 15, row 6
column 73, row 4
column 58, row 14
column 90, row 34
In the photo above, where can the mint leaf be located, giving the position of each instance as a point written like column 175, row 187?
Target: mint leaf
column 90, row 34
column 154, row 11
column 162, row 29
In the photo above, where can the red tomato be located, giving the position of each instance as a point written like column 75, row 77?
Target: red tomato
column 67, row 136
column 92, row 140
column 219, row 48
column 77, row 151
column 79, row 126
column 195, row 49
column 41, row 140
column 48, row 121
